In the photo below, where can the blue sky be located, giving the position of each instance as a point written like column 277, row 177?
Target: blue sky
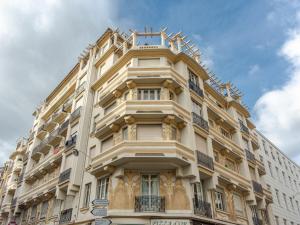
column 255, row 44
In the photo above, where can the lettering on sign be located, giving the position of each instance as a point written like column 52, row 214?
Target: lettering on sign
column 170, row 222
column 100, row 202
column 99, row 212
column 100, row 221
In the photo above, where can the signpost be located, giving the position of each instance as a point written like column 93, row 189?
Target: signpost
column 100, row 210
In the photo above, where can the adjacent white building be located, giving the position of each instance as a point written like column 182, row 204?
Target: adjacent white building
column 282, row 178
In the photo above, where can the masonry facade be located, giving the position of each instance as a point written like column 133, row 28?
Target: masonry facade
column 282, row 179
column 145, row 127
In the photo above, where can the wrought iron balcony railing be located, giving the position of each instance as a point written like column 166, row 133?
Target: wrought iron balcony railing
column 65, row 175
column 149, row 203
column 195, row 88
column 197, row 119
column 250, row 156
column 202, row 208
column 205, row 160
column 63, row 127
column 257, row 187
column 65, row 216
column 75, row 114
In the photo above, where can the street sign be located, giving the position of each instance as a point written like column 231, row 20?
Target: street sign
column 99, row 211
column 101, row 221
column 100, row 202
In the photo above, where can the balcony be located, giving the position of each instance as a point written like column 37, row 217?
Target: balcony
column 71, row 142
column 205, row 160
column 244, row 128
column 65, row 216
column 54, row 138
column 68, row 105
column 162, row 154
column 64, row 176
column 63, row 127
column 42, row 147
column 199, row 121
column 75, row 114
column 202, row 208
column 41, row 132
column 59, row 116
column 149, row 203
column 250, row 156
column 18, row 166
column 257, row 187
column 195, row 88
column 12, row 186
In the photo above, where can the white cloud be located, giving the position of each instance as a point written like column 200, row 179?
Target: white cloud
column 254, row 69
column 278, row 110
column 40, row 43
column 207, row 56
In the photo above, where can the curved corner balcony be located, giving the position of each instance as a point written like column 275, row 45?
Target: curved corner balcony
column 162, row 154
column 141, row 109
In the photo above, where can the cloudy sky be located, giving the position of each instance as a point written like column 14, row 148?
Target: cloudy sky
column 255, row 44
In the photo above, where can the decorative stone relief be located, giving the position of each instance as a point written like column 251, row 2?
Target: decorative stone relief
column 174, row 191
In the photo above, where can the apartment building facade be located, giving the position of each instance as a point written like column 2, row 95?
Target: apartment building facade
column 149, row 134
column 282, row 179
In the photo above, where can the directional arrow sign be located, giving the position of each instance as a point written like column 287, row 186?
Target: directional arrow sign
column 102, row 221
column 100, row 202
column 99, row 212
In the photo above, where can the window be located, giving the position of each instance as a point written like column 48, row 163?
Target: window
column 151, row 132
column 264, row 147
column 277, row 196
column 33, row 212
column 150, row 185
column 270, row 169
column 277, row 171
column 87, row 193
column 107, row 143
column 149, row 94
column 197, row 108
column 100, row 70
column 44, row 210
column 238, row 204
column 297, row 204
column 283, row 176
column 229, row 164
column 102, row 188
column 246, row 144
column 284, row 222
column 125, row 133
column 219, row 199
column 193, row 78
column 216, row 156
column 285, row 201
column 277, row 220
column 292, row 204
column 198, row 192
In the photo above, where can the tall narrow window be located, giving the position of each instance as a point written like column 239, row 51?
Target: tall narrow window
column 219, row 199
column 102, row 188
column 198, row 193
column 150, row 185
column 125, row 133
column 277, row 196
column 193, row 78
column 87, row 193
column 44, row 210
column 238, row 204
